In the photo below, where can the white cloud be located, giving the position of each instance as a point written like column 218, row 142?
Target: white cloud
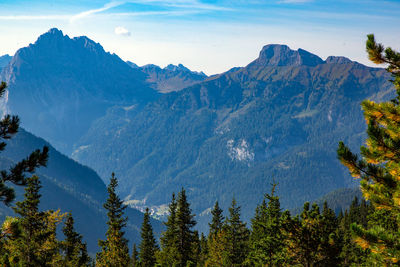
column 122, row 31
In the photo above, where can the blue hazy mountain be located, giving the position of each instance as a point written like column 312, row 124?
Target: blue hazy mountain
column 4, row 60
column 70, row 187
column 171, row 78
column 68, row 83
column 279, row 117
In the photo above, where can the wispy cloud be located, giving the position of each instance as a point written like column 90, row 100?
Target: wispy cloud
column 180, row 7
column 122, row 31
column 95, row 11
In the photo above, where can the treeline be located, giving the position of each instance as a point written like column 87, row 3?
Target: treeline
column 275, row 238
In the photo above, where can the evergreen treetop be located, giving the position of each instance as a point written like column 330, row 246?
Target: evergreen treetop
column 379, row 167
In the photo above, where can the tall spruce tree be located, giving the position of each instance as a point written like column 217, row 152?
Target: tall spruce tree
column 267, row 236
column 237, row 236
column 32, row 242
column 9, row 126
column 114, row 250
column 74, row 250
column 217, row 220
column 379, row 167
column 168, row 256
column 135, row 257
column 185, row 234
column 148, row 246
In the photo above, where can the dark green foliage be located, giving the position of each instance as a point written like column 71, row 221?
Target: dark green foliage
column 358, row 213
column 69, row 186
column 8, row 127
column 74, row 250
column 114, row 250
column 135, row 257
column 217, row 220
column 267, row 236
column 179, row 243
column 31, row 239
column 185, row 235
column 148, row 246
column 237, row 236
column 169, row 245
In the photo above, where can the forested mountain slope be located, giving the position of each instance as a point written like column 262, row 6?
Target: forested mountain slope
column 70, row 187
column 281, row 116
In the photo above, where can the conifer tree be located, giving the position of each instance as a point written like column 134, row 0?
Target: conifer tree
column 168, row 256
column 114, row 250
column 135, row 257
column 330, row 239
column 237, row 236
column 185, row 235
column 351, row 253
column 74, row 250
column 217, row 220
column 304, row 236
column 267, row 236
column 33, row 240
column 9, row 126
column 202, row 257
column 379, row 167
column 148, row 247
column 218, row 254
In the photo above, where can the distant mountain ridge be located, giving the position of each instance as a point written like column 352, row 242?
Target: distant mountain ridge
column 172, row 77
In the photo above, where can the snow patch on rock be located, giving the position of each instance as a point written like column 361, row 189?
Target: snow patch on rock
column 239, row 150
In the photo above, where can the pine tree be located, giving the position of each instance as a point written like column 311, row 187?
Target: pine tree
column 237, row 236
column 75, row 251
column 331, row 242
column 218, row 254
column 379, row 167
column 9, row 126
column 32, row 242
column 267, row 236
column 135, row 257
column 148, row 247
column 185, row 235
column 202, row 256
column 351, row 253
column 168, row 256
column 114, row 250
column 217, row 220
column 304, row 236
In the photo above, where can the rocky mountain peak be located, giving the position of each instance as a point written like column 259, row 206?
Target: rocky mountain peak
column 338, row 60
column 282, row 55
column 4, row 60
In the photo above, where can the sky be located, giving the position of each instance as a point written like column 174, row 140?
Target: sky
column 205, row 35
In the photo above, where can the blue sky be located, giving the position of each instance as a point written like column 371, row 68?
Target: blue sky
column 210, row 36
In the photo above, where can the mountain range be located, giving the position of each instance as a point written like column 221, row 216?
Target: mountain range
column 278, row 119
